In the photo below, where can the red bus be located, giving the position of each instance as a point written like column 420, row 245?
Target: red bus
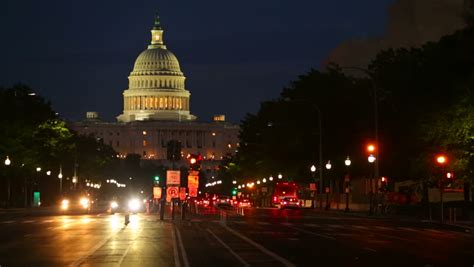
column 283, row 190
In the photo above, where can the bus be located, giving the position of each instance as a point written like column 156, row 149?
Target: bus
column 284, row 190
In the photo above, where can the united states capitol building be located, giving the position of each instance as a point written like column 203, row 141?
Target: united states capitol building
column 156, row 111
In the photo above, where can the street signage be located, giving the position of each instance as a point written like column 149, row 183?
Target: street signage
column 182, row 193
column 193, row 179
column 172, row 192
column 312, row 186
column 156, row 192
column 193, row 192
column 173, row 177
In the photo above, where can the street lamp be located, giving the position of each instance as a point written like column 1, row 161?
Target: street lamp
column 441, row 160
column 60, row 176
column 371, row 158
column 48, row 173
column 328, row 167
column 38, row 169
column 7, row 163
column 270, row 178
column 347, row 162
column 280, row 176
column 313, row 170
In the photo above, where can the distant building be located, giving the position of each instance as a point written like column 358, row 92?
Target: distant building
column 156, row 111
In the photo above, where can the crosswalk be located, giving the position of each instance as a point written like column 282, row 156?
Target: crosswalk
column 334, row 227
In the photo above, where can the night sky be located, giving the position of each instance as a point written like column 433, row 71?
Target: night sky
column 234, row 54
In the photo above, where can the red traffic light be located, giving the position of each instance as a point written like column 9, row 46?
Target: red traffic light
column 371, row 148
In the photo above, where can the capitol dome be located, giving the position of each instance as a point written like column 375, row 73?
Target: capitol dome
column 156, row 61
column 156, row 88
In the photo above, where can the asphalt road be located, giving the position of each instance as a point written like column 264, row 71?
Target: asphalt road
column 262, row 237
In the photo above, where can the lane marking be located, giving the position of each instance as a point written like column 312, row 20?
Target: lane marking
column 48, row 221
column 408, row 229
column 128, row 248
column 28, row 221
column 370, row 249
column 244, row 263
column 335, row 226
column 312, row 233
column 181, row 247
column 383, row 228
column 360, row 227
column 312, row 225
column 261, row 248
column 175, row 249
column 8, row 222
column 287, row 224
column 92, row 251
column 434, row 231
column 263, row 223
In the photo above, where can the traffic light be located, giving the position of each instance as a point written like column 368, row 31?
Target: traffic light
column 156, row 179
column 234, row 191
column 383, row 184
column 195, row 162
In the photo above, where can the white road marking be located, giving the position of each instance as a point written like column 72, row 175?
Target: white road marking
column 260, row 247
column 312, row 225
column 360, row 227
column 244, row 263
column 434, row 231
column 313, row 233
column 408, row 229
column 181, row 247
column 370, row 249
column 263, row 223
column 287, row 224
column 8, row 222
column 128, row 248
column 28, row 221
column 48, row 221
column 175, row 250
column 383, row 228
column 79, row 261
column 335, row 226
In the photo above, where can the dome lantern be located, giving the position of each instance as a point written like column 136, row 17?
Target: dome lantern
column 157, row 35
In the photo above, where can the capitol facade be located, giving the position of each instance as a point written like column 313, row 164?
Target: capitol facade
column 156, row 111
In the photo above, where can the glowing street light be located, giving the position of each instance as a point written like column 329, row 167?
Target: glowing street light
column 234, row 182
column 8, row 161
column 441, row 159
column 264, row 180
column 270, row 178
column 370, row 148
column 48, row 173
column 347, row 162
column 371, row 158
column 38, row 169
column 328, row 165
column 280, row 176
column 313, row 168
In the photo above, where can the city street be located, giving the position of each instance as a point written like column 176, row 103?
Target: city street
column 262, row 237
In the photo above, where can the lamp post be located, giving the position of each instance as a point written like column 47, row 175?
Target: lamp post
column 60, row 176
column 441, row 160
column 328, row 189
column 7, row 163
column 313, row 170
column 371, row 159
column 347, row 162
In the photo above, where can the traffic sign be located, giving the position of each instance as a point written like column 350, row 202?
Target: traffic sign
column 193, row 192
column 156, row 192
column 173, row 177
column 182, row 193
column 193, row 179
column 172, row 192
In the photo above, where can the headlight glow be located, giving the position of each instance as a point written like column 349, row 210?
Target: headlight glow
column 134, row 204
column 114, row 205
column 84, row 202
column 64, row 204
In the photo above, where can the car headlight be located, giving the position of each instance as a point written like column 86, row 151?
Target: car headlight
column 114, row 205
column 134, row 204
column 64, row 204
column 84, row 202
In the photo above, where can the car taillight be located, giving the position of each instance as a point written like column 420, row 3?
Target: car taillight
column 284, row 203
